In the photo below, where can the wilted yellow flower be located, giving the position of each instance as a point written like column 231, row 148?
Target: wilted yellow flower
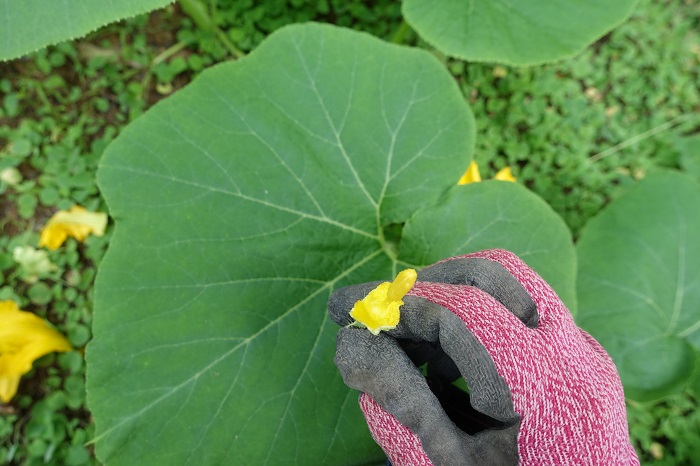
column 24, row 337
column 11, row 176
column 33, row 263
column 76, row 222
column 379, row 310
column 505, row 174
column 472, row 175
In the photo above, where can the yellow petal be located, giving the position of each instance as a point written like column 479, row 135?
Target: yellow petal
column 471, row 175
column 380, row 309
column 367, row 317
column 505, row 174
column 76, row 222
column 24, row 337
column 402, row 284
column 8, row 387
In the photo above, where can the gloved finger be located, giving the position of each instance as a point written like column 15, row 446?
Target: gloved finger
column 439, row 364
column 424, row 321
column 489, row 276
column 419, row 351
column 551, row 311
column 423, row 347
column 440, row 372
column 342, row 300
column 378, row 366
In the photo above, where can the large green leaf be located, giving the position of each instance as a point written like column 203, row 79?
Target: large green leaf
column 639, row 283
column 489, row 215
column 517, row 32
column 28, row 25
column 241, row 203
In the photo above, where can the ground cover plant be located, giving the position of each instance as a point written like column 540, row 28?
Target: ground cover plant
column 572, row 133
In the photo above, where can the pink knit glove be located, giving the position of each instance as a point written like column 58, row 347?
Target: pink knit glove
column 562, row 382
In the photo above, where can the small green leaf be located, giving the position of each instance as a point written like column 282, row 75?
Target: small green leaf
column 77, row 455
column 49, row 196
column 71, row 361
column 523, row 32
column 26, row 204
column 21, row 147
column 638, row 283
column 79, row 335
column 40, row 293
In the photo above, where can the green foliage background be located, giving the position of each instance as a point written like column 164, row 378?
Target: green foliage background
column 578, row 133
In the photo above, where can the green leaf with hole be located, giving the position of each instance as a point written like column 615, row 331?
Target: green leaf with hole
column 241, row 203
column 29, row 25
column 639, row 283
column 523, row 32
column 495, row 214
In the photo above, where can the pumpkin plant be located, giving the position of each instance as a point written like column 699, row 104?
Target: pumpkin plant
column 324, row 158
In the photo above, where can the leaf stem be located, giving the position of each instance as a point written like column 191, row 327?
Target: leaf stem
column 388, row 248
column 639, row 137
column 401, row 33
column 233, row 50
column 169, row 52
column 199, row 14
column 205, row 20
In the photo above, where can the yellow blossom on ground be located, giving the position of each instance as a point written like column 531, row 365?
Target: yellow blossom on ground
column 76, row 222
column 505, row 174
column 24, row 337
column 379, row 310
column 471, row 175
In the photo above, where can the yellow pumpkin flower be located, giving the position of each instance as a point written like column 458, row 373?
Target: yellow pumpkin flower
column 472, row 175
column 379, row 310
column 76, row 222
column 24, row 337
column 505, row 174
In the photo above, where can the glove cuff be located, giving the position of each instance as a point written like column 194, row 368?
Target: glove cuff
column 402, row 447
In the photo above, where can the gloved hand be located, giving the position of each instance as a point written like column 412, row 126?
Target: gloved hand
column 543, row 392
